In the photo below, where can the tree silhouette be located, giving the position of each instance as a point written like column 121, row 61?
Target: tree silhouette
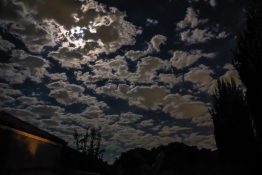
column 89, row 143
column 248, row 62
column 233, row 130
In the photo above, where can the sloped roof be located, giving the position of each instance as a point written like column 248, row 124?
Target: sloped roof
column 10, row 121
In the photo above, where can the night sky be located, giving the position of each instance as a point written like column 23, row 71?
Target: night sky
column 142, row 71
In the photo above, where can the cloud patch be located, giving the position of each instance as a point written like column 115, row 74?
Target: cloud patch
column 23, row 66
column 5, row 45
column 185, row 107
column 64, row 93
column 213, row 3
column 182, row 59
column 88, row 27
column 153, row 46
column 196, row 36
column 146, row 69
column 191, row 20
column 201, row 77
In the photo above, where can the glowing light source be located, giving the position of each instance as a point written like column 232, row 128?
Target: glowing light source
column 32, row 146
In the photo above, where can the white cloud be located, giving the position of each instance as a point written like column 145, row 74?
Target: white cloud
column 117, row 69
column 159, row 98
column 151, row 22
column 222, row 35
column 182, row 59
column 146, row 123
column 4, row 99
column 213, row 3
column 70, row 57
column 26, row 100
column 65, row 94
column 146, row 69
column 192, row 34
column 10, row 74
column 6, row 89
column 153, row 46
column 196, row 36
column 201, row 77
column 147, row 97
column 23, row 114
column 186, row 107
column 35, row 66
column 91, row 28
column 157, row 41
column 68, row 94
column 170, row 131
column 5, row 45
column 169, row 79
column 104, row 70
column 200, row 140
column 129, row 117
column 23, row 66
column 8, row 94
column 57, row 76
column 45, row 111
column 191, row 20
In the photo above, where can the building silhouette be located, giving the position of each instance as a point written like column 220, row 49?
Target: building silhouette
column 28, row 150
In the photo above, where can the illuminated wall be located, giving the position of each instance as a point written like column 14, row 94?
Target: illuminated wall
column 24, row 152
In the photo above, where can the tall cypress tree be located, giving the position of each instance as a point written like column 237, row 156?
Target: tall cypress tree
column 248, row 62
column 232, row 126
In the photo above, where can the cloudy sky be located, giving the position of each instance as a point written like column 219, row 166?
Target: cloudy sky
column 142, row 71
